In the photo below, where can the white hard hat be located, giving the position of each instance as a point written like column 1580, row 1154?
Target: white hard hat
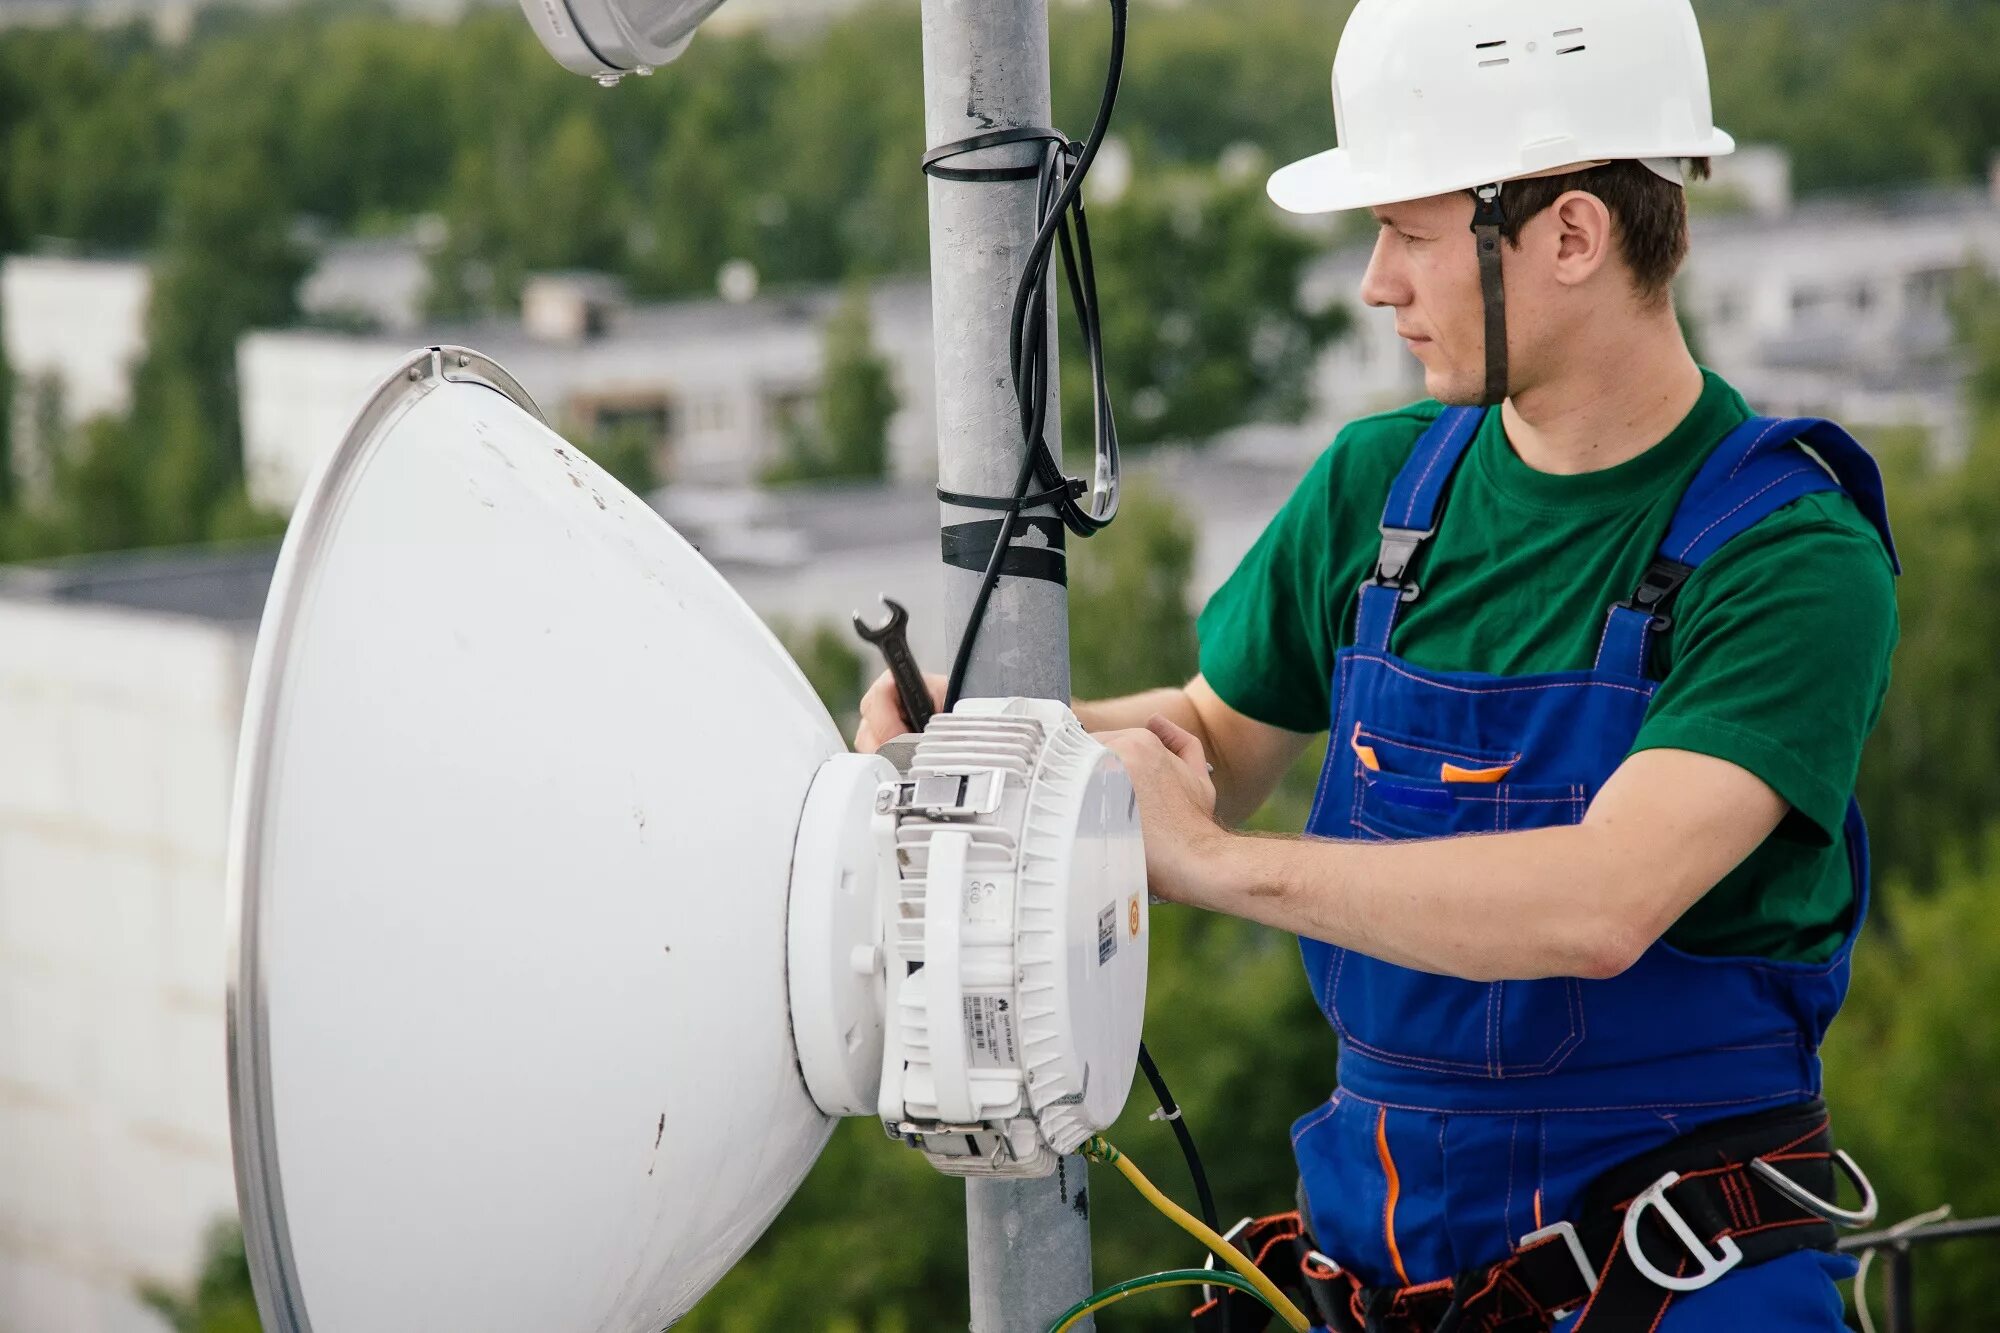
column 1432, row 96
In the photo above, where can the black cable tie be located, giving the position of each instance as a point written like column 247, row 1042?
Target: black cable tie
column 1071, row 488
column 992, row 139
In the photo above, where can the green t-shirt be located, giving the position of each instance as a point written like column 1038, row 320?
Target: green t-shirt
column 1777, row 661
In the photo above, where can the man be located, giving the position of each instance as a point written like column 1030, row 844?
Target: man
column 1598, row 653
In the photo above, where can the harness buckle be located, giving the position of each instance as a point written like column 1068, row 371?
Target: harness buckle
column 1824, row 1208
column 1657, row 586
column 1569, row 1238
column 1399, row 551
column 1327, row 1262
column 1726, row 1256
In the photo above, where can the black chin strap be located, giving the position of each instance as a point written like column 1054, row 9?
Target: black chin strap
column 1487, row 221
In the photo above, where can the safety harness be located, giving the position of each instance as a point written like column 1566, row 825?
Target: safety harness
column 1739, row 1192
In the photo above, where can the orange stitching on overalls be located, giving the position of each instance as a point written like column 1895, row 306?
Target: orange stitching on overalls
column 1778, row 480
column 1500, row 689
column 1332, row 1105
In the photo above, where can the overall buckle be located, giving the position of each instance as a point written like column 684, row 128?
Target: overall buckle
column 1399, row 551
column 1726, row 1256
column 1657, row 586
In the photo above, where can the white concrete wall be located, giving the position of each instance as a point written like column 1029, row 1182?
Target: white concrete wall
column 118, row 733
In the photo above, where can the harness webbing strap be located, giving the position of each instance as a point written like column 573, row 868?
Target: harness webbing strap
column 1726, row 1204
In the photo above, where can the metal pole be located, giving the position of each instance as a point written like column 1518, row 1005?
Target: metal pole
column 986, row 66
column 1901, row 1294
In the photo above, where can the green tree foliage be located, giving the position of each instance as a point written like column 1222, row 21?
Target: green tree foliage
column 1198, row 284
column 830, row 655
column 1129, row 625
column 1913, row 1068
column 1864, row 95
column 1931, row 775
column 847, row 437
column 221, row 1299
column 6, row 436
column 84, row 137
column 630, row 453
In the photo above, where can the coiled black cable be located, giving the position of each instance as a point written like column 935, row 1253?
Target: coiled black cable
column 1030, row 349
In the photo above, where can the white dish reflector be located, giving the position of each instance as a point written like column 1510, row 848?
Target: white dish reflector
column 520, row 777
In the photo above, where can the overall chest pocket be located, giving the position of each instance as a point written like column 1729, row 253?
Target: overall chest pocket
column 1408, row 787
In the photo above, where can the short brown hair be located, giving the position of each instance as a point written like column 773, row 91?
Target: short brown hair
column 1650, row 214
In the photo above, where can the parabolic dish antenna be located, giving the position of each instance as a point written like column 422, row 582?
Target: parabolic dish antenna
column 510, row 1044
column 608, row 39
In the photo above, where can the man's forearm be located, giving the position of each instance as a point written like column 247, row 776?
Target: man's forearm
column 1533, row 903
column 1132, row 710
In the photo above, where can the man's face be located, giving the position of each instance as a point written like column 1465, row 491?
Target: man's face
column 1426, row 269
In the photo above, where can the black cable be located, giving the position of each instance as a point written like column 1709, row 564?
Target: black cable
column 1059, row 204
column 1170, row 1111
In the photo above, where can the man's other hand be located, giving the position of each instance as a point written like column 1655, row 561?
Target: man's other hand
column 882, row 711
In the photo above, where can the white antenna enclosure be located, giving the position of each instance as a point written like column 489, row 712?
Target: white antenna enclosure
column 564, row 923
column 510, row 1043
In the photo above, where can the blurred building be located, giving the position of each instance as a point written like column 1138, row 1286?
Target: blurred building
column 120, row 691
column 73, row 329
column 171, row 20
column 715, row 386
column 1841, row 308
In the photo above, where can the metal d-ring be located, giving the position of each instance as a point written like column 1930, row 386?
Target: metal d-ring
column 1726, row 1256
column 1824, row 1208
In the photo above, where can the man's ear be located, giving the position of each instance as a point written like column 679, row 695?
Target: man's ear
column 1584, row 236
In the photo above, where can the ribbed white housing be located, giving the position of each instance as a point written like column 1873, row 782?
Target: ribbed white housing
column 1015, row 1015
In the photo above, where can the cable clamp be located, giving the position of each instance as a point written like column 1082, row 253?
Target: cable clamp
column 1160, row 1113
column 995, row 139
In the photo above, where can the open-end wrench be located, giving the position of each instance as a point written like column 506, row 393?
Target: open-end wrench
column 894, row 642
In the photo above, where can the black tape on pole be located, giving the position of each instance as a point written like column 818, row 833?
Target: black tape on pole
column 1036, row 551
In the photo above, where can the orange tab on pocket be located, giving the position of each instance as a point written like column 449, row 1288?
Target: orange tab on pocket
column 1365, row 753
column 1450, row 772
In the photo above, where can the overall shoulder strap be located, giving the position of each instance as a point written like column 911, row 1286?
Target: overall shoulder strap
column 1409, row 518
column 1756, row 471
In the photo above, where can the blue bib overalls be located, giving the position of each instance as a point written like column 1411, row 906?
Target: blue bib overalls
column 1470, row 1114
